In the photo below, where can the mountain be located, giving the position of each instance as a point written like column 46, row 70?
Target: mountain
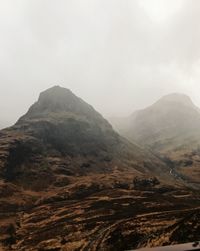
column 170, row 127
column 62, row 125
column 172, row 119
column 67, row 123
column 68, row 181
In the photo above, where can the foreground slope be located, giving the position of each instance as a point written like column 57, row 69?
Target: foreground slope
column 69, row 182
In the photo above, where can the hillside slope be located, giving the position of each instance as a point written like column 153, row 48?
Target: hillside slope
column 65, row 175
column 63, row 125
column 170, row 128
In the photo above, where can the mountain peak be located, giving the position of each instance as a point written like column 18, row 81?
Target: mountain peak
column 56, row 97
column 58, row 100
column 176, row 98
column 55, row 92
column 168, row 123
column 67, row 123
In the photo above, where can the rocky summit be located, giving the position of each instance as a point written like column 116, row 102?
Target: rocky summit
column 69, row 182
column 67, row 124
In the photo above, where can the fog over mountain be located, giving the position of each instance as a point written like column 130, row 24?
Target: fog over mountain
column 171, row 128
column 118, row 56
column 99, row 124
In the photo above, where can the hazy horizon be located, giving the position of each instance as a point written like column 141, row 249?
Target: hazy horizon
column 117, row 56
column 4, row 124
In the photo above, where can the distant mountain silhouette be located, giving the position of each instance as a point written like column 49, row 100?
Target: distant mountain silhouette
column 171, row 120
column 171, row 127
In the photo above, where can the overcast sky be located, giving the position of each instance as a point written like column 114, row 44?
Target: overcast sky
column 117, row 55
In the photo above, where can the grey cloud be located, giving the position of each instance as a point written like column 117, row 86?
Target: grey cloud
column 109, row 52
